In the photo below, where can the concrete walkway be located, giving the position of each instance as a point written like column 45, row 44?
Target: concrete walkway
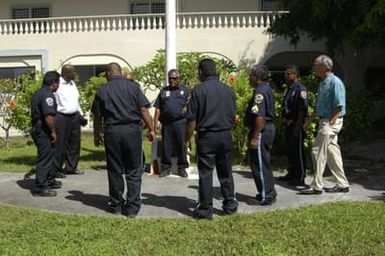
column 173, row 196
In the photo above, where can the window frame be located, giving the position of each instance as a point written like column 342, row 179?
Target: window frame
column 149, row 3
column 30, row 8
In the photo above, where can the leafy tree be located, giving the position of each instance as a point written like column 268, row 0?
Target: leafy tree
column 21, row 113
column 356, row 23
column 7, row 96
column 151, row 75
column 88, row 91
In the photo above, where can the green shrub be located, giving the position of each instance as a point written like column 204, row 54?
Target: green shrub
column 88, row 91
column 21, row 113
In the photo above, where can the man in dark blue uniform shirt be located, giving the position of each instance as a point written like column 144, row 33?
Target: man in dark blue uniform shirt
column 170, row 110
column 120, row 105
column 294, row 110
column 43, row 133
column 259, row 119
column 211, row 113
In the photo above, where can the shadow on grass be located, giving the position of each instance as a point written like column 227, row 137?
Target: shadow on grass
column 177, row 203
column 21, row 160
column 92, row 155
column 93, row 200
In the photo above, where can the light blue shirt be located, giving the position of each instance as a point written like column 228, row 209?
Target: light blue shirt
column 331, row 95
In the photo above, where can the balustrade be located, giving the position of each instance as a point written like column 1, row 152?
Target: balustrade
column 136, row 22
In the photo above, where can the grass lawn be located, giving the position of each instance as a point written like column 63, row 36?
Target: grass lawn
column 21, row 156
column 344, row 228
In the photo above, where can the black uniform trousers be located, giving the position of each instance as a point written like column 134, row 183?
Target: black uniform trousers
column 215, row 149
column 295, row 154
column 45, row 170
column 123, row 144
column 173, row 135
column 68, row 141
column 260, row 163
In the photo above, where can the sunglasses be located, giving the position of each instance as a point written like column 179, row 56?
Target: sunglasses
column 173, row 78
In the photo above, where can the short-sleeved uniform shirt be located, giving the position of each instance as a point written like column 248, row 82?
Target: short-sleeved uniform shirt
column 212, row 106
column 43, row 104
column 331, row 95
column 260, row 104
column 172, row 102
column 295, row 99
column 119, row 101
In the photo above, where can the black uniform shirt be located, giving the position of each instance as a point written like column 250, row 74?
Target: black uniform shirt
column 212, row 106
column 172, row 102
column 119, row 101
column 294, row 99
column 261, row 104
column 43, row 104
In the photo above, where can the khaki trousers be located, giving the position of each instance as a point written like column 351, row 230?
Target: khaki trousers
column 327, row 151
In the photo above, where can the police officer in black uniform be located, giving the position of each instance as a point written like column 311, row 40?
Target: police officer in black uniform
column 211, row 113
column 295, row 102
column 171, row 106
column 120, row 105
column 43, row 133
column 259, row 119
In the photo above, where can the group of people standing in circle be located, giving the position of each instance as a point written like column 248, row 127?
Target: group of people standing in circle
column 120, row 111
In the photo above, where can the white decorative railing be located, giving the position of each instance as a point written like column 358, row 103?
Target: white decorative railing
column 136, row 22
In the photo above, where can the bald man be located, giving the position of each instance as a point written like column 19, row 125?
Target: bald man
column 68, row 121
column 120, row 105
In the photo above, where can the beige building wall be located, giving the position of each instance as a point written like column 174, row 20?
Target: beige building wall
column 62, row 8
column 218, row 5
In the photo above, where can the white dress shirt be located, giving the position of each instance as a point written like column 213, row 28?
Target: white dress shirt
column 67, row 98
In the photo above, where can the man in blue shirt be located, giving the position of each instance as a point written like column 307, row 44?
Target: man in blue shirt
column 119, row 106
column 331, row 107
column 171, row 110
column 43, row 112
column 259, row 119
column 294, row 110
column 211, row 113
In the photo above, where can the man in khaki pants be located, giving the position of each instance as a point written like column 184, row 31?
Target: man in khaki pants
column 331, row 107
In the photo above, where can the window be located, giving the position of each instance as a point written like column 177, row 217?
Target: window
column 269, row 5
column 15, row 72
column 30, row 12
column 85, row 72
column 147, row 7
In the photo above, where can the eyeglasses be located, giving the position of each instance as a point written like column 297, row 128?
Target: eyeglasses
column 173, row 78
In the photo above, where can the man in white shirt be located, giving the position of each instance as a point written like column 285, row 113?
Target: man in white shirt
column 68, row 120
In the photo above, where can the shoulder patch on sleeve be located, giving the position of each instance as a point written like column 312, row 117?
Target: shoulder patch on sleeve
column 258, row 98
column 255, row 109
column 49, row 101
column 304, row 95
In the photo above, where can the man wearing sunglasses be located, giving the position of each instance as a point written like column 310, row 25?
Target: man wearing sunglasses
column 170, row 110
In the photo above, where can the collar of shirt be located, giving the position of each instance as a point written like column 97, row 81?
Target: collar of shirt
column 327, row 79
column 210, row 78
column 117, row 78
column 63, row 81
column 176, row 87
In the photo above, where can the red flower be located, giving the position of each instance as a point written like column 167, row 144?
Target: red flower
column 11, row 104
column 232, row 79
